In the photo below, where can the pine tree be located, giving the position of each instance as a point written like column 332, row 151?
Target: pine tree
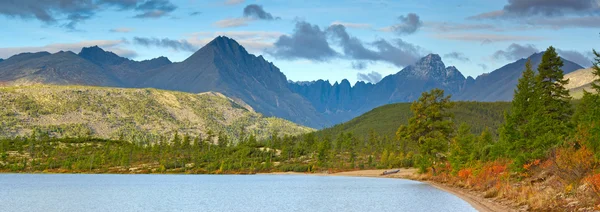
column 402, row 138
column 461, row 147
column 553, row 113
column 513, row 134
column 484, row 144
column 431, row 125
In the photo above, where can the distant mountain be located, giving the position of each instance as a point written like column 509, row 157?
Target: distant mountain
column 129, row 72
column 63, row 68
column 1, row 59
column 134, row 114
column 341, row 102
column 225, row 66
column 499, row 85
column 579, row 81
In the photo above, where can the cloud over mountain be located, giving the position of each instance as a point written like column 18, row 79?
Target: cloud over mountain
column 516, row 51
column 252, row 12
column 373, row 77
column 583, row 59
column 176, row 45
column 310, row 42
column 409, row 24
column 457, row 56
column 307, row 42
column 257, row 12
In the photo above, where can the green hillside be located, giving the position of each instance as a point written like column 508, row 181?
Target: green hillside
column 386, row 119
column 131, row 114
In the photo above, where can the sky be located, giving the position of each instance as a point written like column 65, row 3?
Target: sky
column 358, row 40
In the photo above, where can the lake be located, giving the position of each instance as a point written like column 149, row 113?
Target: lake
column 104, row 192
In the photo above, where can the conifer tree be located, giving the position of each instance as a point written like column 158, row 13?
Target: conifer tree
column 513, row 135
column 461, row 147
column 402, row 137
column 484, row 144
column 431, row 125
column 551, row 121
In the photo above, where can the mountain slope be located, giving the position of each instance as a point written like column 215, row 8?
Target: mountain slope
column 579, row 81
column 386, row 119
column 65, row 68
column 226, row 67
column 129, row 72
column 341, row 102
column 145, row 114
column 499, row 85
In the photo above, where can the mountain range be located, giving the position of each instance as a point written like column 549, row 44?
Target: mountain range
column 224, row 66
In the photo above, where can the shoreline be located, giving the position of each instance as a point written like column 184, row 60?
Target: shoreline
column 478, row 202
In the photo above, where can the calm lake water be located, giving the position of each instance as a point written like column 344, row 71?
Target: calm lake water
column 52, row 192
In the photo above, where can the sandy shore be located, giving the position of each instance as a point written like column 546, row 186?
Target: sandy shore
column 478, row 202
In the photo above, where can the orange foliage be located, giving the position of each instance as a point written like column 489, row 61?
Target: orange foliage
column 529, row 165
column 594, row 182
column 572, row 165
column 491, row 175
column 464, row 174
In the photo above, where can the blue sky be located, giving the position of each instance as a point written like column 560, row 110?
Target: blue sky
column 301, row 37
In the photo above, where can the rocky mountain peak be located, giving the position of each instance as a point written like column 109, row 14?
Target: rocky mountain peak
column 345, row 83
column 225, row 45
column 428, row 67
column 159, row 61
column 453, row 73
column 99, row 56
column 431, row 58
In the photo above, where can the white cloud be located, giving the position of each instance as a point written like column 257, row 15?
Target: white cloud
column 232, row 22
column 352, row 25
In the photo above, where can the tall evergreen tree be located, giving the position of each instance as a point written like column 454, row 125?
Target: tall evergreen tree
column 551, row 121
column 513, row 135
column 461, row 147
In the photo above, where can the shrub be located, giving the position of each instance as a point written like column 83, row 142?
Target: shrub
column 594, row 182
column 571, row 165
